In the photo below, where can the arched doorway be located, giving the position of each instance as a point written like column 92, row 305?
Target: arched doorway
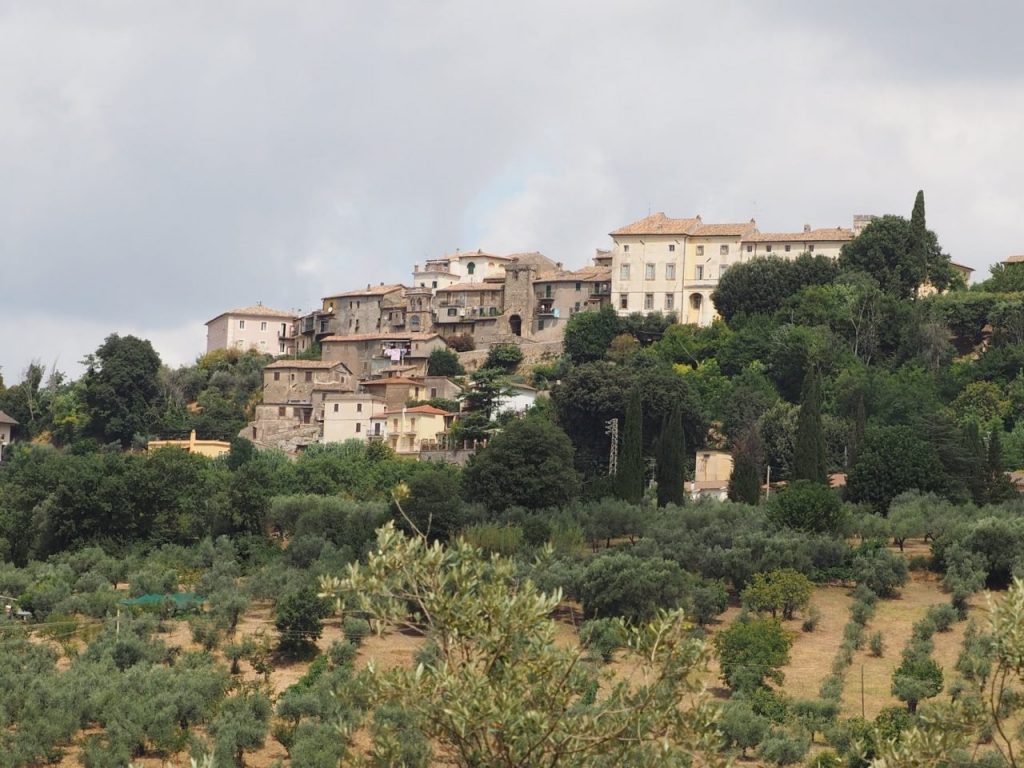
column 696, row 302
column 515, row 322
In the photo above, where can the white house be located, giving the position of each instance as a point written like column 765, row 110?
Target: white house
column 7, row 425
column 520, row 399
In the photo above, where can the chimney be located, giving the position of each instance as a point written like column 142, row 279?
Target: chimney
column 367, row 286
column 807, row 227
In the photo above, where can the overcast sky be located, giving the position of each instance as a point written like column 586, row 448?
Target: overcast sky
column 161, row 162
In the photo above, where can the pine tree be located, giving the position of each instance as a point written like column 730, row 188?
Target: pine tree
column 671, row 460
column 809, row 462
column 747, row 463
column 629, row 480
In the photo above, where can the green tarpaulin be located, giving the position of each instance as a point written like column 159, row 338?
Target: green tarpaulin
column 181, row 600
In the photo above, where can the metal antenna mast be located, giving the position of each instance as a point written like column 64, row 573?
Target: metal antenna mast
column 612, row 429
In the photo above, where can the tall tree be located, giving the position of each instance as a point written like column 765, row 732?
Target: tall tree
column 747, row 464
column 629, row 480
column 122, row 389
column 671, row 458
column 809, row 459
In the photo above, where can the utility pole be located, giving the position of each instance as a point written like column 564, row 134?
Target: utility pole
column 768, row 482
column 612, row 429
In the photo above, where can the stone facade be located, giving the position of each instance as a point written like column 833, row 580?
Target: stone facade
column 263, row 329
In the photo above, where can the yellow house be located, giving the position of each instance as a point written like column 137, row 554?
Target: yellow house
column 410, row 430
column 712, row 470
column 209, row 448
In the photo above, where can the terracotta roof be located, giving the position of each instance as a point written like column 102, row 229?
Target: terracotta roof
column 371, row 290
column 5, row 419
column 659, row 224
column 961, row 266
column 1019, row 259
column 472, row 287
column 380, row 337
column 307, row 364
column 425, row 409
column 807, row 236
column 257, row 310
column 724, row 230
column 587, row 274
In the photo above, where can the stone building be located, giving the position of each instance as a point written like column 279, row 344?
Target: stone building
column 266, row 330
column 294, row 392
column 370, row 355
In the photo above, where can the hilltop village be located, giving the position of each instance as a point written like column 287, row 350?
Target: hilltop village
column 350, row 368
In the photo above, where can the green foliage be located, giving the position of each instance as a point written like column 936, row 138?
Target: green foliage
column 444, row 362
column 589, row 334
column 121, row 389
column 761, row 286
column 805, row 505
column 502, row 692
column 241, row 725
column 916, row 679
column 748, row 462
column 891, row 461
column 631, row 474
column 880, row 571
column 900, row 257
column 742, row 727
column 603, row 637
column 751, row 652
column 356, row 630
column 621, row 585
column 809, row 461
column 529, row 464
column 504, row 357
column 671, row 460
column 298, row 618
column 783, row 748
column 784, row 591
column 433, row 505
column 877, row 645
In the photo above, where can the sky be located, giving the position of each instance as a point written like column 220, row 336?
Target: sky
column 163, row 162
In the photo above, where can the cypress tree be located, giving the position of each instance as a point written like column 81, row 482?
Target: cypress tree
column 809, row 462
column 919, row 237
column 860, row 428
column 747, row 463
column 671, row 460
column 975, row 465
column 629, row 480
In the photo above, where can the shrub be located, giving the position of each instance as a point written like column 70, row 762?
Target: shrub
column 634, row 588
column 341, row 654
column 708, row 600
column 877, row 645
column 461, row 342
column 853, row 635
column 507, row 357
column 444, row 362
column 496, row 538
column 915, row 679
column 751, row 652
column 782, row 591
column 880, row 570
column 812, row 619
column 861, row 613
column 603, row 637
column 805, row 505
column 781, row 748
column 742, row 728
column 943, row 617
column 355, row 630
column 299, row 619
column 923, row 629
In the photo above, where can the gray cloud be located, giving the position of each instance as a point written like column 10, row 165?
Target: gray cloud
column 161, row 163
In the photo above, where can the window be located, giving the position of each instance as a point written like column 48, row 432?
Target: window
column 787, row 247
column 810, row 248
column 698, row 272
column 470, row 268
column 648, row 301
column 359, row 427
column 670, row 271
column 263, row 325
column 452, row 311
column 281, row 411
column 624, row 301
column 700, row 250
column 624, row 272
column 670, row 301
column 433, row 283
column 579, row 287
column 335, row 407
column 723, row 250
column 649, row 271
column 241, row 325
column 576, row 308
column 291, row 377
column 722, row 270
column 625, row 248
column 433, row 392
column 359, row 407
column 277, row 375
column 768, row 248
column 671, row 247
column 280, row 347
column 412, row 424
column 309, row 375
column 540, row 325
column 750, row 249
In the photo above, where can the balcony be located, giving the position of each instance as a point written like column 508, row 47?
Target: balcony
column 452, row 303
column 545, row 307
